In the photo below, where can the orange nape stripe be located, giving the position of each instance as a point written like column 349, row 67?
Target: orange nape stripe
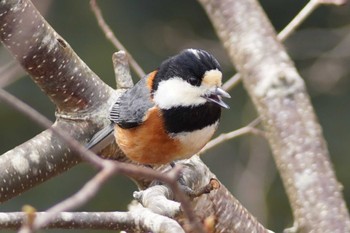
column 150, row 79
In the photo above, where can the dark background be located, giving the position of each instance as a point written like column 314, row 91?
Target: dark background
column 154, row 30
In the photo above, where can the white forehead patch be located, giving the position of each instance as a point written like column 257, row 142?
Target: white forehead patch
column 212, row 78
column 195, row 52
column 177, row 92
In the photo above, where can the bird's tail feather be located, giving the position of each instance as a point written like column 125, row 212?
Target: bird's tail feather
column 101, row 139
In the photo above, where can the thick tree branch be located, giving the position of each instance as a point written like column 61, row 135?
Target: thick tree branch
column 137, row 220
column 227, row 212
column 48, row 58
column 67, row 81
column 291, row 126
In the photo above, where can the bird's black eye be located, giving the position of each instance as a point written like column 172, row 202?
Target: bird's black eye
column 194, row 81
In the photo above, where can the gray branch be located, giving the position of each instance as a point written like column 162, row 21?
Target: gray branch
column 138, row 220
column 282, row 101
column 66, row 80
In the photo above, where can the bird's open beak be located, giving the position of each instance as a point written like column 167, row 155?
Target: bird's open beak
column 216, row 95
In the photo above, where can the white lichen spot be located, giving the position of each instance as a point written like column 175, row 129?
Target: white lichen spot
column 67, row 216
column 4, row 216
column 305, row 179
column 49, row 166
column 20, row 164
column 34, row 157
column 47, row 40
column 66, row 99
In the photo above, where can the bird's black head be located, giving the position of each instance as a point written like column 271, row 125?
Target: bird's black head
column 191, row 78
column 189, row 65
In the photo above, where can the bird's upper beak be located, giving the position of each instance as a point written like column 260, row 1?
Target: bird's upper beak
column 215, row 97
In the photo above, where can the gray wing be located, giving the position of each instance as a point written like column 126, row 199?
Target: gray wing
column 132, row 106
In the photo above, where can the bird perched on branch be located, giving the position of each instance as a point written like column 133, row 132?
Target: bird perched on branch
column 171, row 113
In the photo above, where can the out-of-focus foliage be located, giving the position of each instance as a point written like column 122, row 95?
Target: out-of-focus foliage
column 154, row 30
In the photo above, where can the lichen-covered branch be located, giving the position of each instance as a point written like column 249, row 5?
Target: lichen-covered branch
column 280, row 97
column 48, row 58
column 32, row 163
column 66, row 80
column 225, row 210
column 138, row 220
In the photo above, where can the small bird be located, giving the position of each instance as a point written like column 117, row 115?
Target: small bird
column 171, row 113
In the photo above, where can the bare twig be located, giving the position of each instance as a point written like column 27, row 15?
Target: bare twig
column 232, row 82
column 288, row 30
column 111, row 37
column 43, row 121
column 303, row 14
column 250, row 128
column 9, row 73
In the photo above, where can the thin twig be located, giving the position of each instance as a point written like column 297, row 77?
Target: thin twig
column 81, row 197
column 298, row 19
column 232, row 82
column 250, row 128
column 112, row 38
column 10, row 72
column 303, row 14
column 288, row 30
column 46, row 123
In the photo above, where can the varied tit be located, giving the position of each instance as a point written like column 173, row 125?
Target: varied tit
column 171, row 113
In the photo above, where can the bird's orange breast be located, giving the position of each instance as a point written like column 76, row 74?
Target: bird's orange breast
column 149, row 143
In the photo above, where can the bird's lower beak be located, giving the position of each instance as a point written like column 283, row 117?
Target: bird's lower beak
column 216, row 95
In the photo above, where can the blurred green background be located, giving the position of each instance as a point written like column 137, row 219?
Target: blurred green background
column 154, row 30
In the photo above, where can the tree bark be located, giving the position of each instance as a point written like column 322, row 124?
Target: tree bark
column 80, row 97
column 292, row 129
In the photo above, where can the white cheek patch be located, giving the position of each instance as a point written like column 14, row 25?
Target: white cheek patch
column 177, row 92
